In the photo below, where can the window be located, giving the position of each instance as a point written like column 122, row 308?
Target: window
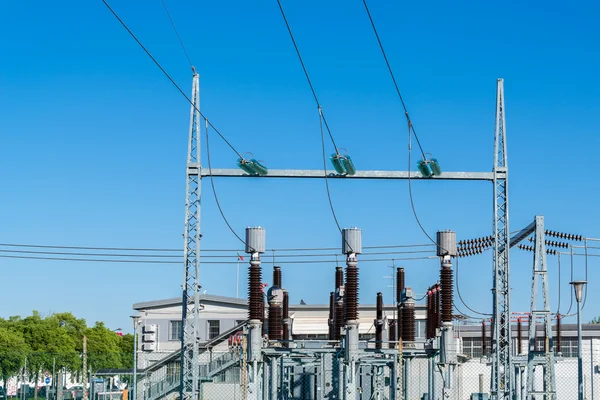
column 175, row 330
column 214, row 328
column 473, row 347
column 568, row 347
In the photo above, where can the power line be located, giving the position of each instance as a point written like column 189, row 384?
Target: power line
column 389, row 67
column 312, row 89
column 205, row 262
column 460, row 296
column 177, row 34
column 169, row 77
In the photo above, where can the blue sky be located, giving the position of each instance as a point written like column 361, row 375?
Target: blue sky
column 93, row 138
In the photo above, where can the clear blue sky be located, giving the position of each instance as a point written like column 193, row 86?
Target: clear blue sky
column 93, row 138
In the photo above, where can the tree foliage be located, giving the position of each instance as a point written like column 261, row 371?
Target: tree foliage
column 57, row 340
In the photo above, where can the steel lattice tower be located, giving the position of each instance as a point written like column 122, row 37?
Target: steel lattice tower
column 501, row 343
column 191, row 276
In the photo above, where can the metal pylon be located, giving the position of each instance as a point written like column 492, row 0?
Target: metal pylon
column 540, row 311
column 501, row 344
column 191, row 275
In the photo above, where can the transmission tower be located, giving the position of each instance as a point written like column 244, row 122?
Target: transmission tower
column 501, row 344
column 191, row 278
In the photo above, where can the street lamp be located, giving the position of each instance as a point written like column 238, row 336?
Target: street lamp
column 135, row 329
column 578, row 288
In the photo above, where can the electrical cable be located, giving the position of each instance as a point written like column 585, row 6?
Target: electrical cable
column 204, row 250
column 205, row 262
column 212, row 184
column 169, row 77
column 321, row 120
column 312, row 89
column 389, row 67
column 460, row 296
column 177, row 34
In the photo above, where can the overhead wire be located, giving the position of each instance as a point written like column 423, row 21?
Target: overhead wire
column 177, row 34
column 169, row 77
column 460, row 296
column 212, row 184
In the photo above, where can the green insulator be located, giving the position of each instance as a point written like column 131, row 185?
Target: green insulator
column 336, row 160
column 259, row 168
column 435, row 167
column 424, row 168
column 348, row 165
column 246, row 166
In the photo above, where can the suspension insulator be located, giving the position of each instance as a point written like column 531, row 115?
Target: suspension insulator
column 331, row 321
column 429, row 320
column 351, row 294
column 446, row 278
column 379, row 321
column 255, row 296
column 408, row 322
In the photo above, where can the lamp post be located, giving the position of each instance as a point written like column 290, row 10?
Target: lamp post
column 135, row 329
column 578, row 288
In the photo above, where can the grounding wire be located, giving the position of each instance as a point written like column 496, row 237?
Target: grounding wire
column 389, row 67
column 169, row 77
column 312, row 89
column 177, row 34
column 460, row 296
column 212, row 184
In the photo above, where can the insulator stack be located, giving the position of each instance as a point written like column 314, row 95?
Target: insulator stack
column 437, row 307
column 399, row 294
column 469, row 252
column 351, row 294
column 531, row 248
column 286, row 317
column 331, row 321
column 567, row 236
column 255, row 296
column 379, row 321
column 558, row 341
column 429, row 320
column 339, row 277
column 408, row 322
column 519, row 337
column 446, row 279
column 392, row 333
column 275, row 322
column 265, row 326
column 277, row 276
column 552, row 243
column 483, row 339
column 472, row 247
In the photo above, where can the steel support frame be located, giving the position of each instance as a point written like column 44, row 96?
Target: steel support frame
column 501, row 346
column 191, row 277
column 501, row 382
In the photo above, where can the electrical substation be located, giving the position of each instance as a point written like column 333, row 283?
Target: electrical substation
column 262, row 359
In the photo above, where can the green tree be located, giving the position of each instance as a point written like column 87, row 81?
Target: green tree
column 595, row 321
column 126, row 346
column 103, row 347
column 13, row 351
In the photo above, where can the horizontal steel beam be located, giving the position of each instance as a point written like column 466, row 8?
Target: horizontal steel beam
column 315, row 173
column 522, row 234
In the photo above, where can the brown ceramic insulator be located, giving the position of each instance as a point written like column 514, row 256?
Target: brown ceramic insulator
column 286, row 316
column 339, row 277
column 255, row 296
column 483, row 339
column 519, row 337
column 399, row 284
column 436, row 308
column 429, row 320
column 331, row 321
column 265, row 326
column 275, row 322
column 558, row 341
column 392, row 333
column 408, row 323
column 400, row 323
column 339, row 320
column 351, row 295
column 379, row 321
column 447, row 281
column 277, row 276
